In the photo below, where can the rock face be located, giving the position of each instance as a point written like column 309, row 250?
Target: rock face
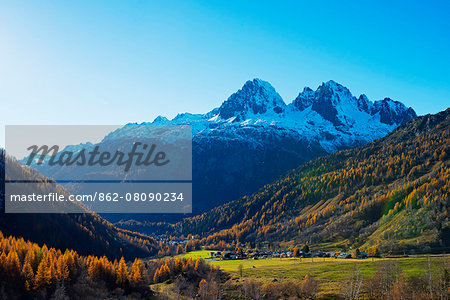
column 254, row 137
column 255, row 97
column 336, row 104
column 304, row 99
column 392, row 112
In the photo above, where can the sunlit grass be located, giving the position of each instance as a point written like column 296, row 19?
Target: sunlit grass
column 330, row 272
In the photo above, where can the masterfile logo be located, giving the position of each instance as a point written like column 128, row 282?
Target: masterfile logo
column 145, row 157
column 109, row 169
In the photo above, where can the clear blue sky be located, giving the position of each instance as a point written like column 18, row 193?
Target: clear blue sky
column 112, row 62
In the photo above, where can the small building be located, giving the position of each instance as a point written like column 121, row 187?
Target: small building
column 344, row 255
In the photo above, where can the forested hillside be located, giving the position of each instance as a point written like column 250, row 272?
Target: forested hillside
column 30, row 271
column 391, row 194
column 86, row 233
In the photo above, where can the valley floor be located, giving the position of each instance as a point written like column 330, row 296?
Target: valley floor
column 332, row 274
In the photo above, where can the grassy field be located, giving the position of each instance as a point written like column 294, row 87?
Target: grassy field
column 329, row 271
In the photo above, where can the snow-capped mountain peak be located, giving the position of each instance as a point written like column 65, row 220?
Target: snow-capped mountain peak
column 336, row 93
column 364, row 104
column 335, row 103
column 255, row 97
column 304, row 99
column 160, row 120
column 330, row 115
column 254, row 137
column 392, row 112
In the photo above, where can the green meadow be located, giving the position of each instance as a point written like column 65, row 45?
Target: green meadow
column 330, row 272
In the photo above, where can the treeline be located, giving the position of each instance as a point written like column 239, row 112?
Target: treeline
column 392, row 193
column 28, row 271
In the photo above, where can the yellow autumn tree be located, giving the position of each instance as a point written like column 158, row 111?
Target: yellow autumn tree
column 40, row 279
column 136, row 272
column 198, row 262
column 122, row 273
column 62, row 270
column 28, row 275
column 13, row 263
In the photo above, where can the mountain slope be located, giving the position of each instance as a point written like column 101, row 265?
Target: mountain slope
column 86, row 233
column 391, row 193
column 254, row 137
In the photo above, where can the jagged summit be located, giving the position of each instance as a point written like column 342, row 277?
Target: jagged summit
column 255, row 97
column 304, row 99
column 334, row 91
column 330, row 115
column 161, row 120
column 336, row 104
column 364, row 104
column 333, row 101
column 392, row 112
column 333, row 86
column 314, row 114
column 254, row 137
